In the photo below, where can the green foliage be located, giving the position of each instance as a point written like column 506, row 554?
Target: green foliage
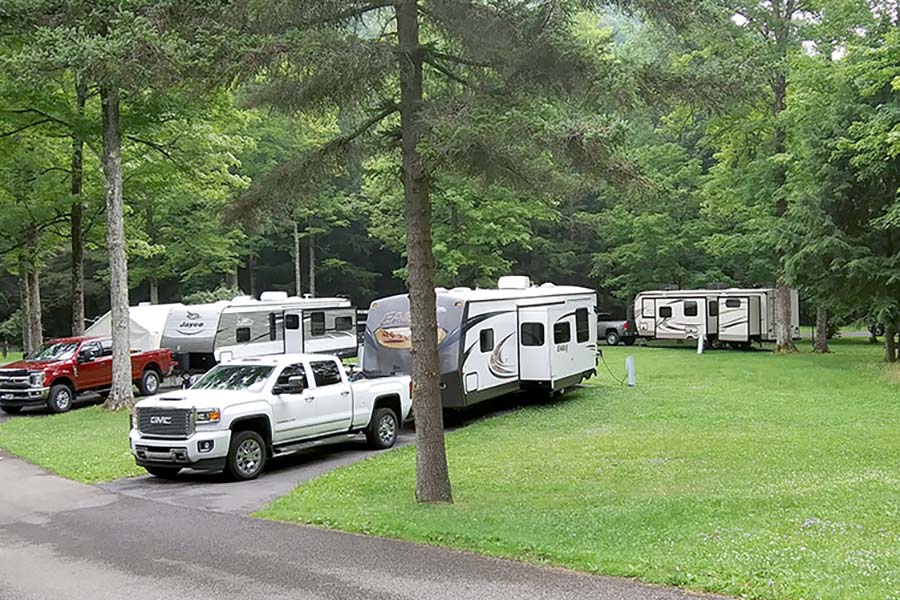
column 210, row 296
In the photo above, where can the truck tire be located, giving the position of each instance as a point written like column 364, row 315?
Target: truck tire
column 60, row 398
column 612, row 338
column 382, row 431
column 164, row 472
column 11, row 410
column 246, row 456
column 149, row 383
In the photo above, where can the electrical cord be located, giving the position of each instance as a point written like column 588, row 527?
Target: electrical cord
column 621, row 382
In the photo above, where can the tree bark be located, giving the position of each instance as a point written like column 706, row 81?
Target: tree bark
column 890, row 344
column 153, row 282
column 784, row 339
column 25, row 303
column 232, row 279
column 76, row 218
column 298, row 271
column 312, row 259
column 821, row 343
column 120, row 395
column 36, row 321
column 251, row 270
column 432, row 474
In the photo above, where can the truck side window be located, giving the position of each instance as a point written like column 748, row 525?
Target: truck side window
column 242, row 335
column 562, row 333
column 532, row 334
column 690, row 308
column 665, row 311
column 106, row 348
column 317, row 323
column 291, row 371
column 486, row 341
column 292, row 322
column 325, row 372
column 582, row 325
column 733, row 303
column 343, row 323
column 714, row 308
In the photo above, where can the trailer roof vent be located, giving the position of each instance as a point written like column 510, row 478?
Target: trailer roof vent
column 548, row 285
column 273, row 297
column 243, row 300
column 461, row 289
column 514, row 282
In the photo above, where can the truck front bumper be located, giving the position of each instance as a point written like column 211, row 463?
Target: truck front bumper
column 203, row 451
column 22, row 397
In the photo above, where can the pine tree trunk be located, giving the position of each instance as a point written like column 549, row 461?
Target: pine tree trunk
column 25, row 303
column 120, row 395
column 821, row 342
column 77, row 218
column 251, row 270
column 784, row 338
column 36, row 321
column 153, row 282
column 432, row 475
column 890, row 343
column 298, row 271
column 232, row 279
column 312, row 260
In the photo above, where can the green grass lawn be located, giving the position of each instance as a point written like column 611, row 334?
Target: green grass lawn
column 86, row 444
column 11, row 357
column 745, row 473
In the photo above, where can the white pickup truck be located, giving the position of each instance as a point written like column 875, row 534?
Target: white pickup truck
column 247, row 410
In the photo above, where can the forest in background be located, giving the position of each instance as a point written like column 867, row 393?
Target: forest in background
column 738, row 143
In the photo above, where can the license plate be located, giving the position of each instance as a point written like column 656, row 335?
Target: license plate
column 6, row 396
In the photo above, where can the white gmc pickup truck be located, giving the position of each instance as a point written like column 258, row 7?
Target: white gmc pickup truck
column 247, row 410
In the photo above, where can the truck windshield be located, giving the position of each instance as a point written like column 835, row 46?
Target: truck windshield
column 234, row 377
column 57, row 351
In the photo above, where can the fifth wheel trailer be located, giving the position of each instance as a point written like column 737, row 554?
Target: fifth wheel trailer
column 731, row 316
column 493, row 342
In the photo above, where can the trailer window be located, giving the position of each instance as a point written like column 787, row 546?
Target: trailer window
column 292, row 322
column 665, row 311
column 242, row 335
column 487, row 340
column 562, row 333
column 582, row 325
column 317, row 323
column 733, row 303
column 690, row 308
column 714, row 308
column 326, row 372
column 343, row 323
column 532, row 334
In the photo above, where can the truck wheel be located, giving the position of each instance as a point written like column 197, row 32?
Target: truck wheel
column 164, row 472
column 382, row 431
column 612, row 338
column 149, row 383
column 60, row 398
column 246, row 456
column 11, row 410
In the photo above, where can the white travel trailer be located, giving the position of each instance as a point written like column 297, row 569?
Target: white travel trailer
column 199, row 334
column 731, row 316
column 493, row 341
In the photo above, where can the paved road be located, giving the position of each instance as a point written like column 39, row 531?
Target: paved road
column 67, row 541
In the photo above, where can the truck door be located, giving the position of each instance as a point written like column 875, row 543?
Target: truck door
column 734, row 319
column 293, row 331
column 333, row 397
column 534, row 344
column 96, row 372
column 293, row 413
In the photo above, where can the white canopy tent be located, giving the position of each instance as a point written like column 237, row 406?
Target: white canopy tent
column 148, row 321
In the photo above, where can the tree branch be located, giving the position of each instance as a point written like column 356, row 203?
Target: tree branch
column 362, row 128
column 445, row 71
column 24, row 127
column 161, row 148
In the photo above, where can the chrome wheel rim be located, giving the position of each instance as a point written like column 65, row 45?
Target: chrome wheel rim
column 248, row 457
column 63, row 399
column 152, row 383
column 387, row 429
column 611, row 340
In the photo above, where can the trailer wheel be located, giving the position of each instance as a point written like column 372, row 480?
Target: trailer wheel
column 612, row 338
column 629, row 341
column 382, row 431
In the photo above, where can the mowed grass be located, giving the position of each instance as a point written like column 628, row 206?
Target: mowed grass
column 11, row 357
column 745, row 473
column 86, row 444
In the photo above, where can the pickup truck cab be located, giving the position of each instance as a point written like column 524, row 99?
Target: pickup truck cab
column 64, row 368
column 244, row 411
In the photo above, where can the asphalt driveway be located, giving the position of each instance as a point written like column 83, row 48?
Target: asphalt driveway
column 68, row 541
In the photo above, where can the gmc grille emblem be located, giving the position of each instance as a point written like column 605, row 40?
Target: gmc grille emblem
column 160, row 420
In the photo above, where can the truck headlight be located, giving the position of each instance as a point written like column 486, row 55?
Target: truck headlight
column 37, row 379
column 134, row 419
column 209, row 415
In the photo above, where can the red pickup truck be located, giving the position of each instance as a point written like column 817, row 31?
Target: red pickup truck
column 64, row 368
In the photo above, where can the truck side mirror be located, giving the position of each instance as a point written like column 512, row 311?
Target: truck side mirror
column 86, row 356
column 295, row 385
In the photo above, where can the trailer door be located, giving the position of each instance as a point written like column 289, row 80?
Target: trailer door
column 563, row 347
column 734, row 319
column 534, row 344
column 293, row 331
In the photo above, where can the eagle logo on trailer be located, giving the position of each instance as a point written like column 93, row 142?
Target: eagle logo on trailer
column 496, row 364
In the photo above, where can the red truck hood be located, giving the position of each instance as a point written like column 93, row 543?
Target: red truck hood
column 31, row 365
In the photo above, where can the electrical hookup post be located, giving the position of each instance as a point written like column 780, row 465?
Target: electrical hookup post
column 629, row 369
column 700, row 342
